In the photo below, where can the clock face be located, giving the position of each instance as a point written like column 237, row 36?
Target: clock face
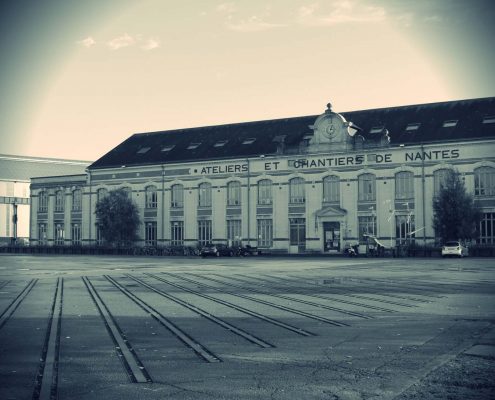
column 329, row 128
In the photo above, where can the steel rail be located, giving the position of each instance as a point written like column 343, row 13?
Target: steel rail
column 238, row 308
column 248, row 336
column 191, row 343
column 130, row 361
column 332, row 291
column 12, row 307
column 268, row 303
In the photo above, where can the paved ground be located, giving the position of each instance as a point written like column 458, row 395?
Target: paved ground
column 251, row 328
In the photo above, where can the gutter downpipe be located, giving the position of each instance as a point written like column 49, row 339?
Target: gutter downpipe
column 423, row 194
column 163, row 205
column 90, row 240
column 249, row 202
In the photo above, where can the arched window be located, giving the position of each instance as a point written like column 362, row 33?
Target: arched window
column 128, row 191
column 331, row 189
column 297, row 190
column 77, row 200
column 440, row 177
column 234, row 193
column 204, row 194
column 484, row 181
column 150, row 196
column 265, row 195
column 101, row 194
column 43, row 201
column 366, row 187
column 59, row 201
column 404, row 185
column 177, row 196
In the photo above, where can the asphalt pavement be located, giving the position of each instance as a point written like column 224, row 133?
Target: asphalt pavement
column 88, row 327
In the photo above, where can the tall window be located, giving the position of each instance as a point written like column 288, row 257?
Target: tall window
column 234, row 193
column 484, row 181
column 404, row 228
column 101, row 194
column 487, row 229
column 43, row 201
column 265, row 195
column 128, row 191
column 367, row 226
column 99, row 236
column 331, row 189
column 59, row 234
column 76, row 200
column 59, row 201
column 150, row 234
column 76, row 234
column 177, row 196
column 297, row 228
column 265, row 233
column 205, row 195
column 177, row 233
column 440, row 179
column 234, row 231
column 42, row 238
column 297, row 192
column 151, row 197
column 366, row 187
column 204, row 232
column 404, row 185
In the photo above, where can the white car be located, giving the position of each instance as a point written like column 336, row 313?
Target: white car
column 454, row 249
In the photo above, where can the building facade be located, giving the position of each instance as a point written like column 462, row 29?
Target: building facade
column 15, row 177
column 307, row 184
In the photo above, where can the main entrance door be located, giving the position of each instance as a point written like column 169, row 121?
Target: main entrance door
column 331, row 236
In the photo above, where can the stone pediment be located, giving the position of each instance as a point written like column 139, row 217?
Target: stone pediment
column 331, row 132
column 331, row 211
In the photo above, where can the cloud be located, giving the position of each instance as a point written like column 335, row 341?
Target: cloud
column 339, row 12
column 88, row 42
column 252, row 24
column 226, row 8
column 121, row 41
column 150, row 44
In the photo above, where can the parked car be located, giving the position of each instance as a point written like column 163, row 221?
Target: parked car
column 216, row 250
column 454, row 249
column 247, row 250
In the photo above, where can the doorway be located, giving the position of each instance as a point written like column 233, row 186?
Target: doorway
column 331, row 236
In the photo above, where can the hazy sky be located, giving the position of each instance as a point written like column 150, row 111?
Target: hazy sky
column 78, row 77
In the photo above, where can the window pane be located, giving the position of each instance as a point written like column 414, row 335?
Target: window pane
column 366, row 187
column 177, row 196
column 331, row 189
column 265, row 191
column 233, row 193
column 297, row 190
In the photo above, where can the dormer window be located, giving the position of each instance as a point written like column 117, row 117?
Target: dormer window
column 220, row 143
column 193, row 146
column 450, row 124
column 413, row 127
column 489, row 119
column 143, row 150
column 249, row 141
column 165, row 149
column 377, row 129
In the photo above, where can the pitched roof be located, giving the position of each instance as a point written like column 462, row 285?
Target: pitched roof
column 22, row 168
column 172, row 146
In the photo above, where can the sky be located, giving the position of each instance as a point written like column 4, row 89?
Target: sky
column 79, row 77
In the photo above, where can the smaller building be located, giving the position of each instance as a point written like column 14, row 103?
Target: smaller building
column 15, row 177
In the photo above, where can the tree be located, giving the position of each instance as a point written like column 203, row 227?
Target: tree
column 118, row 218
column 455, row 216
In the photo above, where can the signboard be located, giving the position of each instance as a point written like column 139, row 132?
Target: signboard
column 14, row 200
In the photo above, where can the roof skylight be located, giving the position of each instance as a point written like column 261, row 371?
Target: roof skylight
column 413, row 127
column 450, row 124
column 377, row 129
column 249, row 141
column 167, row 148
column 193, row 146
column 143, row 150
column 220, row 143
column 489, row 119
